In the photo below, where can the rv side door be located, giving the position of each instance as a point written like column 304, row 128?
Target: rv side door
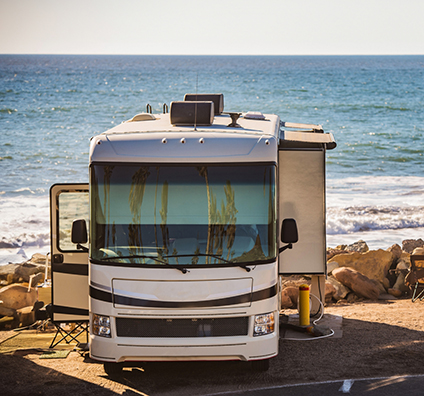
column 69, row 265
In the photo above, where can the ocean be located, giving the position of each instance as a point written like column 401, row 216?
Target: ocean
column 50, row 106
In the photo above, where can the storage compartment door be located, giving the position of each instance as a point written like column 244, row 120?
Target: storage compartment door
column 302, row 197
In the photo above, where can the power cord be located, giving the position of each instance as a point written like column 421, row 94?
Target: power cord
column 310, row 329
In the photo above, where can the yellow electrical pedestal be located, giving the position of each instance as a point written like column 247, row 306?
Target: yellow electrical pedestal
column 304, row 310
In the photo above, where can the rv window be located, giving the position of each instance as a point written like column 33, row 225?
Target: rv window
column 183, row 215
column 71, row 205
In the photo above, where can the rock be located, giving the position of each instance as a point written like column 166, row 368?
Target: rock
column 357, row 282
column 38, row 258
column 386, row 285
column 16, row 296
column 286, row 301
column 373, row 264
column 399, row 288
column 7, row 272
column 331, row 266
column 27, row 269
column 26, row 316
column 404, row 262
column 330, row 290
column 408, row 245
column 352, row 298
column 331, row 252
column 341, row 290
column 4, row 311
column 418, row 250
column 395, row 292
column 293, row 293
column 396, row 251
column 14, row 273
column 360, row 247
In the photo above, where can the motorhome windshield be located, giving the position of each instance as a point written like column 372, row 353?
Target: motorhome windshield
column 183, row 215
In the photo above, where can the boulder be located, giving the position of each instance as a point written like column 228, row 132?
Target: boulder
column 404, row 262
column 352, row 298
column 341, row 290
column 14, row 273
column 373, row 264
column 408, row 245
column 396, row 251
column 38, row 258
column 7, row 272
column 331, row 266
column 418, row 250
column 26, row 316
column 399, row 286
column 331, row 252
column 293, row 293
column 359, row 246
column 330, row 290
column 4, row 311
column 286, row 301
column 17, row 296
column 395, row 292
column 356, row 281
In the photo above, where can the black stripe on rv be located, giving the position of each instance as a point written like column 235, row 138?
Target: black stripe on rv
column 100, row 295
column 136, row 302
column 58, row 309
column 75, row 269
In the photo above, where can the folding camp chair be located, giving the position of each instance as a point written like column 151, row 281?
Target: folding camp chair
column 69, row 335
column 415, row 277
column 78, row 328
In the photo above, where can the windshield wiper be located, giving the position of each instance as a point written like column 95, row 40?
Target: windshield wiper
column 211, row 255
column 183, row 270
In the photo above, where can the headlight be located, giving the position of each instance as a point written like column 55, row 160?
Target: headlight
column 101, row 325
column 264, row 324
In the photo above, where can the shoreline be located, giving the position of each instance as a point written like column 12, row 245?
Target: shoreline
column 379, row 239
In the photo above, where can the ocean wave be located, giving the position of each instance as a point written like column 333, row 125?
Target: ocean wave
column 40, row 239
column 25, row 191
column 373, row 218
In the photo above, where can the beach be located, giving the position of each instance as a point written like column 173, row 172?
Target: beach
column 379, row 339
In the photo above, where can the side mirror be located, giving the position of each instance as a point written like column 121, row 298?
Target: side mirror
column 79, row 233
column 288, row 233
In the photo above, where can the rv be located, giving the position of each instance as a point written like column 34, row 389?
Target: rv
column 175, row 248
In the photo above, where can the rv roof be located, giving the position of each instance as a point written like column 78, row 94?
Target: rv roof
column 161, row 123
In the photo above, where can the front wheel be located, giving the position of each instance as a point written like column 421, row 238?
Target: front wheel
column 260, row 365
column 112, row 369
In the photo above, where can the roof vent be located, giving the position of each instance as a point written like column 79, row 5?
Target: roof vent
column 217, row 99
column 142, row 117
column 192, row 113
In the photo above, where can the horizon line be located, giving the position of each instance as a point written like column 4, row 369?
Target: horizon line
column 114, row 54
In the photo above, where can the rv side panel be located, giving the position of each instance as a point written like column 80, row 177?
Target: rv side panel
column 302, row 197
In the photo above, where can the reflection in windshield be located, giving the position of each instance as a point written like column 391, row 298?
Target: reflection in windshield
column 183, row 215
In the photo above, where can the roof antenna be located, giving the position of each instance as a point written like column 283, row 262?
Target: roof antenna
column 195, row 104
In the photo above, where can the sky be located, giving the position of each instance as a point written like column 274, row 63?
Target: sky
column 217, row 27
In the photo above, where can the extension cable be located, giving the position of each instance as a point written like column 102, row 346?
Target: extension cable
column 313, row 329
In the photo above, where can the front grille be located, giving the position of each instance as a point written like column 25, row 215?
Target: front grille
column 181, row 328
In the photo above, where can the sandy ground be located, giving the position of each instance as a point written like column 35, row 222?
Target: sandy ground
column 383, row 338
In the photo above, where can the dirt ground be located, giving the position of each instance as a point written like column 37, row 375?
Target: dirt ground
column 382, row 338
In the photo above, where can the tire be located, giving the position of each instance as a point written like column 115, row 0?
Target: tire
column 260, row 365
column 112, row 369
